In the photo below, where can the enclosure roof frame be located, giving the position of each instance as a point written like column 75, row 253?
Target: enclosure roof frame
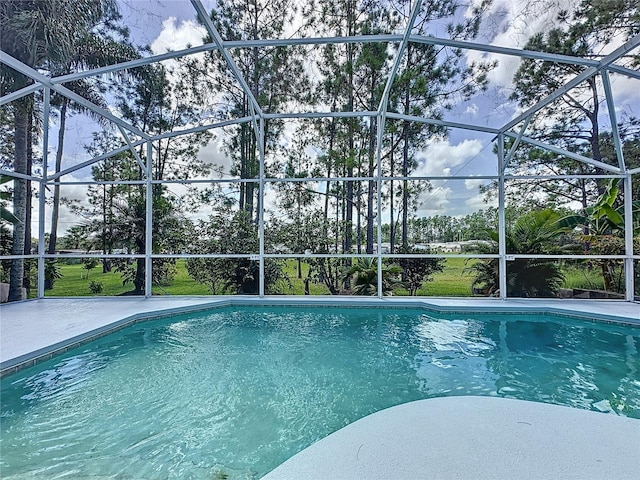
column 594, row 68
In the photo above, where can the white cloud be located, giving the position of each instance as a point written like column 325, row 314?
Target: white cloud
column 177, row 36
column 174, row 36
column 213, row 153
column 510, row 23
column 477, row 202
column 474, row 184
column 625, row 94
column 472, row 109
column 66, row 219
column 440, row 156
column 435, row 202
column 449, row 198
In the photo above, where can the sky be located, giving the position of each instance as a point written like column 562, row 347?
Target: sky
column 170, row 25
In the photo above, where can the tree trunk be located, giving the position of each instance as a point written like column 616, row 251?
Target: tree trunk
column 372, row 183
column 55, row 208
column 28, row 264
column 405, row 159
column 350, row 133
column 350, row 136
column 607, row 278
column 138, row 280
column 332, row 131
column 392, row 246
column 405, row 187
column 16, row 275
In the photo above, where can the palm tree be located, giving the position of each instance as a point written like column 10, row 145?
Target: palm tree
column 364, row 273
column 537, row 233
column 40, row 34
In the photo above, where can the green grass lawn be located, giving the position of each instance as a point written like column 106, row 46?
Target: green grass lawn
column 453, row 281
column 75, row 282
column 583, row 275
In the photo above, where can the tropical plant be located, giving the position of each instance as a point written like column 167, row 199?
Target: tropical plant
column 603, row 226
column 51, row 273
column 364, row 277
column 535, row 233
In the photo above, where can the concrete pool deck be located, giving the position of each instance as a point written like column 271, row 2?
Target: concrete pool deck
column 442, row 438
column 483, row 438
column 37, row 329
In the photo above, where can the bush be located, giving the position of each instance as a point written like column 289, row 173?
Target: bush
column 95, row 287
column 164, row 271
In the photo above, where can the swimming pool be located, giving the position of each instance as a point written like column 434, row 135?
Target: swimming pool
column 236, row 391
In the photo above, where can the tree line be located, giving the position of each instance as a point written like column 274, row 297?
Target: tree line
column 61, row 36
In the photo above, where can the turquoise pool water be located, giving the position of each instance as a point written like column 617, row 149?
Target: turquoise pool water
column 236, row 391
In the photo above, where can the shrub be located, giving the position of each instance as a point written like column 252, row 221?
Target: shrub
column 95, row 287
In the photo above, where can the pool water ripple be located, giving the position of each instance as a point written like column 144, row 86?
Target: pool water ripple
column 234, row 392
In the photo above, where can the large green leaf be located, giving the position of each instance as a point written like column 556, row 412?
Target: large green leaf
column 8, row 216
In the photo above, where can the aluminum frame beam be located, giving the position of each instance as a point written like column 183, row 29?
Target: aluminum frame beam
column 617, row 142
column 502, row 225
column 380, row 121
column 260, row 134
column 514, row 147
column 631, row 44
column 382, row 107
column 624, row 71
column 628, row 240
column 18, row 94
column 42, row 194
column 566, row 153
column 148, row 224
column 90, row 162
column 295, row 116
column 389, row 38
column 131, row 64
column 23, row 176
column 132, row 149
column 46, row 81
column 443, row 123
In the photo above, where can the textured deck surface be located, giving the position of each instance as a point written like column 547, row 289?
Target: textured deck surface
column 481, row 438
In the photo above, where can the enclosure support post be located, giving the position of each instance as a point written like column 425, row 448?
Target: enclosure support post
column 42, row 192
column 380, row 119
column 148, row 232
column 502, row 248
column 261, row 206
column 628, row 207
column 611, row 107
column 628, row 240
